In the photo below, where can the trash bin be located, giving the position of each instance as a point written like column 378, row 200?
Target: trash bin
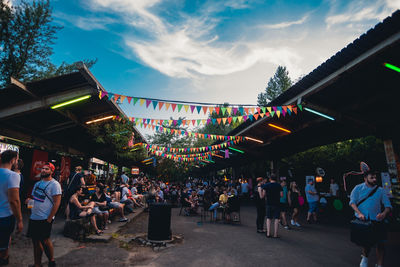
column 159, row 222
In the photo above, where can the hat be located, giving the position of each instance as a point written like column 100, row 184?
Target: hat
column 50, row 165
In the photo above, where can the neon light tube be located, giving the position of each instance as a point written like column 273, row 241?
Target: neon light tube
column 210, row 160
column 71, row 101
column 255, row 140
column 392, row 67
column 218, row 156
column 279, row 128
column 237, row 150
column 101, row 119
column 319, row 114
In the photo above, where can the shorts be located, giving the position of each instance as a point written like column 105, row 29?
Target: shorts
column 7, row 225
column 39, row 229
column 114, row 205
column 284, row 207
column 96, row 210
column 380, row 232
column 313, row 206
column 273, row 212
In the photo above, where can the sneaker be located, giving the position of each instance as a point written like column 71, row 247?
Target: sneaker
column 297, row 224
column 123, row 219
column 364, row 261
column 52, row 264
column 286, row 227
column 292, row 222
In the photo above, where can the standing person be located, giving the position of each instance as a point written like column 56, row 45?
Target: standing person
column 284, row 205
column 10, row 205
column 273, row 192
column 293, row 198
column 245, row 189
column 260, row 205
column 47, row 198
column 367, row 200
column 17, row 168
column 124, row 178
column 312, row 199
column 334, row 188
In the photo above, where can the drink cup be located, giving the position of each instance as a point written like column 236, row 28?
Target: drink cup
column 30, row 203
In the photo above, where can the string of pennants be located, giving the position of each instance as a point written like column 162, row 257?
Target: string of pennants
column 191, row 134
column 226, row 120
column 181, row 158
column 192, row 149
column 193, row 155
column 229, row 110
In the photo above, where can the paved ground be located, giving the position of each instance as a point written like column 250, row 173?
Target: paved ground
column 217, row 244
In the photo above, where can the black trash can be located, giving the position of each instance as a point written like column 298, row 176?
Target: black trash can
column 159, row 222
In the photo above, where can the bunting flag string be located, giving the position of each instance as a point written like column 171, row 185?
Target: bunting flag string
column 248, row 109
column 192, row 149
column 183, row 158
column 190, row 134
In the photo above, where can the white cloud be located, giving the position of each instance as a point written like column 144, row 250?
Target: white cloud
column 286, row 24
column 86, row 23
column 361, row 11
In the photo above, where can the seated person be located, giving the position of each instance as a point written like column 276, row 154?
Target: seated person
column 185, row 201
column 100, row 205
column 113, row 203
column 233, row 206
column 194, row 202
column 77, row 210
column 126, row 198
column 223, row 199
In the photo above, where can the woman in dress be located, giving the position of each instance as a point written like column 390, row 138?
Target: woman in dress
column 293, row 198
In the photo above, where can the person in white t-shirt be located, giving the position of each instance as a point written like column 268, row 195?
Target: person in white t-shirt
column 47, row 198
column 10, row 206
column 334, row 188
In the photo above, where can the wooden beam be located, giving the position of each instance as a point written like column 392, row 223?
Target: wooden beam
column 22, row 87
column 43, row 103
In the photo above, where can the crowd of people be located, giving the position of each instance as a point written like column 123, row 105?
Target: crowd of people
column 273, row 198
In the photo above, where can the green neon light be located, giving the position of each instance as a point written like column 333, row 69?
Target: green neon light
column 237, row 150
column 392, row 67
column 210, row 160
column 71, row 101
column 320, row 114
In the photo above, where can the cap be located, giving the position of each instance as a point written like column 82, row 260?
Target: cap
column 51, row 166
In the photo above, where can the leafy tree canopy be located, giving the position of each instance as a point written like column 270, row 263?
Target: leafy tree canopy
column 276, row 86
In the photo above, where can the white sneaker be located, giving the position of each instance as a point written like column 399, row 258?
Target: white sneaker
column 297, row 224
column 292, row 222
column 364, row 261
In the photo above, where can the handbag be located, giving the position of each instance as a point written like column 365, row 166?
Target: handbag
column 362, row 232
column 301, row 201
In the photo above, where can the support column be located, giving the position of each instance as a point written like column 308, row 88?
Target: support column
column 393, row 162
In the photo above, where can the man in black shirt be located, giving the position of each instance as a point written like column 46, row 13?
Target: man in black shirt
column 273, row 192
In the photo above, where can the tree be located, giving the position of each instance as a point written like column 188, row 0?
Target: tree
column 26, row 38
column 276, row 86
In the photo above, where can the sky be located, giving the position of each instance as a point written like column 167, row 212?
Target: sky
column 206, row 51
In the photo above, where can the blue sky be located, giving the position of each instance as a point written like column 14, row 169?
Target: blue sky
column 207, row 51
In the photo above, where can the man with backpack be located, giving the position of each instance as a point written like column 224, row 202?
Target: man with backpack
column 47, row 198
column 367, row 200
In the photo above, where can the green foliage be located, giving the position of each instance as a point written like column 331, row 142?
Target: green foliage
column 276, row 86
column 116, row 135
column 26, row 38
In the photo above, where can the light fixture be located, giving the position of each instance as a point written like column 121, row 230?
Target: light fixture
column 392, row 67
column 218, row 156
column 237, row 150
column 135, row 149
column 71, row 101
column 209, row 160
column 279, row 128
column 255, row 140
column 319, row 113
column 101, row 119
column 318, row 179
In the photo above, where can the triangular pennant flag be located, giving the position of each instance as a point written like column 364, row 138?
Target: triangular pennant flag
column 245, row 118
column 208, row 121
column 216, row 110
column 234, row 119
column 223, row 109
column 278, row 113
column 173, row 106
column 262, row 115
column 256, row 116
column 103, row 94
column 205, row 109
column 246, row 111
column 211, row 109
column 167, row 106
column 198, row 109
column 289, row 108
column 122, row 97
column 229, row 110
column 269, row 109
column 263, row 109
column 240, row 118
column 230, row 120
column 224, row 120
column 129, row 99
column 194, row 122
column 148, row 102
column 274, row 108
column 116, row 96
column 252, row 110
column 300, row 107
column 203, row 121
column 241, row 110
column 284, row 108
column 272, row 113
column 258, row 109
column 180, row 107
column 142, row 101
column 155, row 104
column 214, row 121
column 186, row 107
column 170, row 122
column 294, row 110
column 235, row 110
column 219, row 120
column 160, row 105
column 198, row 122
column 192, row 108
